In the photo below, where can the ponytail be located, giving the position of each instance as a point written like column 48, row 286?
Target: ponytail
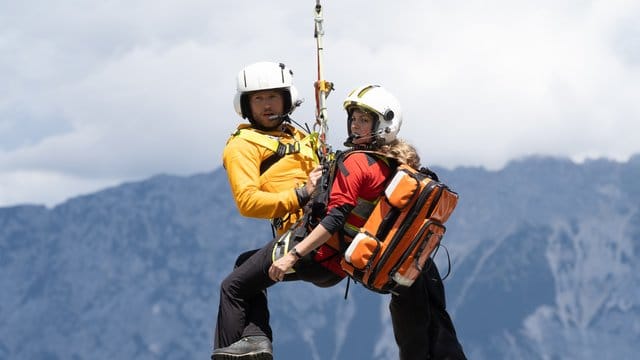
column 403, row 152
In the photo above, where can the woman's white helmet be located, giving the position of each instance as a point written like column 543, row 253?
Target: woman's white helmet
column 265, row 76
column 380, row 102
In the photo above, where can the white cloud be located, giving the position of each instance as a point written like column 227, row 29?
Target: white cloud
column 499, row 80
column 98, row 93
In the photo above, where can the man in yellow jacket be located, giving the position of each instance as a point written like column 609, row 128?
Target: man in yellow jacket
column 272, row 166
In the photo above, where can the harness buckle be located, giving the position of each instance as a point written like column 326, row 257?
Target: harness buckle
column 294, row 148
column 286, row 149
column 277, row 223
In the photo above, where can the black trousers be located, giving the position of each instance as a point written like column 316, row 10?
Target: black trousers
column 421, row 325
column 243, row 309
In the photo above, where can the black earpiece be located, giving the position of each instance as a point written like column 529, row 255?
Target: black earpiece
column 388, row 115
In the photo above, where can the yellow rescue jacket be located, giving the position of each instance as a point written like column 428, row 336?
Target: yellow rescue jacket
column 270, row 193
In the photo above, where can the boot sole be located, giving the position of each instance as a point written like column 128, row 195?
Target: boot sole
column 253, row 356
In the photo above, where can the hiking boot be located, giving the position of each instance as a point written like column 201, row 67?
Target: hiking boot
column 248, row 348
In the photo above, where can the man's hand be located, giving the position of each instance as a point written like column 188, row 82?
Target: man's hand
column 312, row 182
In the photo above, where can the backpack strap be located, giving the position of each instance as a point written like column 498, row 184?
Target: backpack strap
column 373, row 155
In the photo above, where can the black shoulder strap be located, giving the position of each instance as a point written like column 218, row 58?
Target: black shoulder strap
column 430, row 174
column 268, row 162
column 316, row 208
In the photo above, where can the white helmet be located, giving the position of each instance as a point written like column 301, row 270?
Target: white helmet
column 380, row 102
column 265, row 76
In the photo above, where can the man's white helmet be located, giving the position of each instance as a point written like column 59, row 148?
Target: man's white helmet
column 265, row 76
column 380, row 102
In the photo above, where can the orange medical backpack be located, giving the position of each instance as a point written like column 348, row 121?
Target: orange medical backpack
column 403, row 230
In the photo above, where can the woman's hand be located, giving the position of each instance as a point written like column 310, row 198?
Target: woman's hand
column 317, row 237
column 280, row 267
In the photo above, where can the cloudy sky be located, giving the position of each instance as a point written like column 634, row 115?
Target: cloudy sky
column 94, row 93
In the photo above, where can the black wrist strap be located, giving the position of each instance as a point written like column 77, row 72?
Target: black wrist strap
column 295, row 253
column 303, row 195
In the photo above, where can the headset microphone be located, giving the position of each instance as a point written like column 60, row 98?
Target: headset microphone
column 279, row 117
column 356, row 136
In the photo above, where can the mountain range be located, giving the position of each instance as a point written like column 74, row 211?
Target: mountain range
column 543, row 255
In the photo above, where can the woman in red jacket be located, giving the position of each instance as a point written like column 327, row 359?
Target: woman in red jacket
column 422, row 327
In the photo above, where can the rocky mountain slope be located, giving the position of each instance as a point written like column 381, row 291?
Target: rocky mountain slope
column 544, row 259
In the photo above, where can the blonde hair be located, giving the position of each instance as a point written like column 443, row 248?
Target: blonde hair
column 403, row 152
